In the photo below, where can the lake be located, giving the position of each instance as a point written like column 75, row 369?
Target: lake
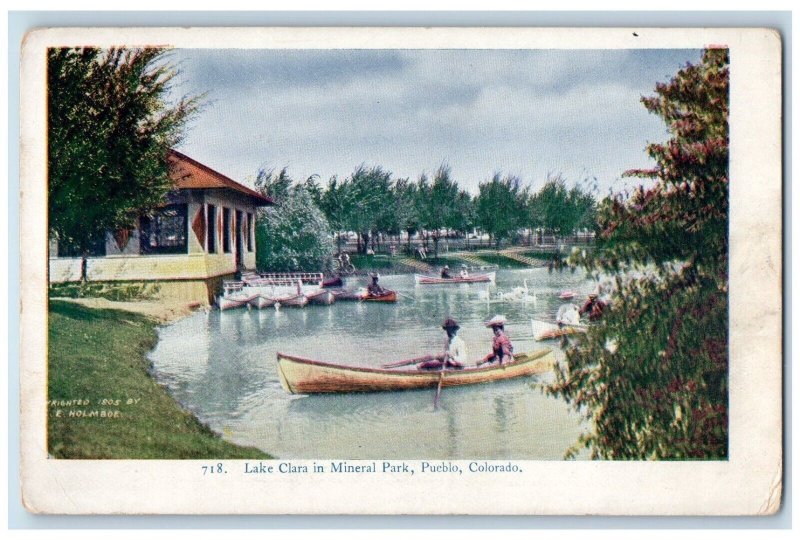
column 222, row 367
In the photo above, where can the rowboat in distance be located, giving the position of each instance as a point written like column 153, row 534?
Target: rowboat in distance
column 388, row 296
column 361, row 295
column 304, row 376
column 488, row 277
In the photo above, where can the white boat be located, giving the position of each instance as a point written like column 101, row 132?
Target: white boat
column 261, row 301
column 421, row 279
column 323, row 296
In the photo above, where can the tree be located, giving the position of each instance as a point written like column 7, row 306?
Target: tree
column 335, row 204
column 110, row 129
column 439, row 205
column 653, row 375
column 407, row 208
column 464, row 218
column 500, row 207
column 293, row 235
column 275, row 185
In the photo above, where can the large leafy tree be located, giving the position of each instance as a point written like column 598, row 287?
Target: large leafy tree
column 110, row 127
column 653, row 375
column 293, row 235
column 439, row 205
column 500, row 207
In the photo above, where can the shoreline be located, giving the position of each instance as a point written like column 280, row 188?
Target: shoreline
column 103, row 399
column 161, row 312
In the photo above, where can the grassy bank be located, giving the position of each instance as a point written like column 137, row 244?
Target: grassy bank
column 99, row 354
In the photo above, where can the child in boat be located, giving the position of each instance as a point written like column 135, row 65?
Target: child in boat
column 455, row 350
column 446, row 272
column 464, row 273
column 502, row 349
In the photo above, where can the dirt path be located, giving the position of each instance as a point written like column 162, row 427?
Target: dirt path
column 160, row 311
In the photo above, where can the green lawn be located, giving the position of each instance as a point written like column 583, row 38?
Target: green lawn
column 99, row 354
column 370, row 262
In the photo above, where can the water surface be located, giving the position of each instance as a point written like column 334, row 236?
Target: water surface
column 221, row 366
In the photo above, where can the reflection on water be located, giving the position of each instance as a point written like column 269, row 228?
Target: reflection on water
column 221, row 365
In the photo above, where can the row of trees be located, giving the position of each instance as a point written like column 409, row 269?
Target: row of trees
column 373, row 204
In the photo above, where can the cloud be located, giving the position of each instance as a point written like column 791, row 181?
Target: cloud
column 524, row 112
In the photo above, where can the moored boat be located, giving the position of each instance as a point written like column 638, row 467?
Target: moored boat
column 332, row 282
column 324, row 297
column 295, row 300
column 304, row 376
column 233, row 301
column 349, row 294
column 261, row 301
column 421, row 279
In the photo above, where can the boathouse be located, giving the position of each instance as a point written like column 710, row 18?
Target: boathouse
column 183, row 250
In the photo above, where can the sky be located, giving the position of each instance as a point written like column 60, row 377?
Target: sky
column 529, row 113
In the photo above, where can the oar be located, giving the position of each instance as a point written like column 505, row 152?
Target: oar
column 439, row 389
column 405, row 296
column 408, row 362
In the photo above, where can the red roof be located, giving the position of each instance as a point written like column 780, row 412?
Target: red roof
column 190, row 174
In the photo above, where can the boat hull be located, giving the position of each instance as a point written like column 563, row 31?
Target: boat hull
column 323, row 297
column 390, row 296
column 260, row 301
column 432, row 280
column 556, row 333
column 332, row 282
column 297, row 300
column 348, row 294
column 231, row 302
column 304, row 376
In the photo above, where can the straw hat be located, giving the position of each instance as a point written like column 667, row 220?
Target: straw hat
column 450, row 323
column 566, row 295
column 497, row 320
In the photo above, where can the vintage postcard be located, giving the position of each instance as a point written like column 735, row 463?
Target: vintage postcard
column 401, row 271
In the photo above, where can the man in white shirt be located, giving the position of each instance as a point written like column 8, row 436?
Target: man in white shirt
column 455, row 350
column 568, row 314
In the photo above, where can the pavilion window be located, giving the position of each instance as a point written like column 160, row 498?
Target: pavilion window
column 250, row 231
column 165, row 232
column 226, row 230
column 211, row 233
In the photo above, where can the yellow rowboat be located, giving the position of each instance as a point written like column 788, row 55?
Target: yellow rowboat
column 304, row 376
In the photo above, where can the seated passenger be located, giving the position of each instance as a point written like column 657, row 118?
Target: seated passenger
column 502, row 349
column 455, row 351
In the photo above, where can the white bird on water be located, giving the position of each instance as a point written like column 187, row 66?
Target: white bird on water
column 522, row 294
